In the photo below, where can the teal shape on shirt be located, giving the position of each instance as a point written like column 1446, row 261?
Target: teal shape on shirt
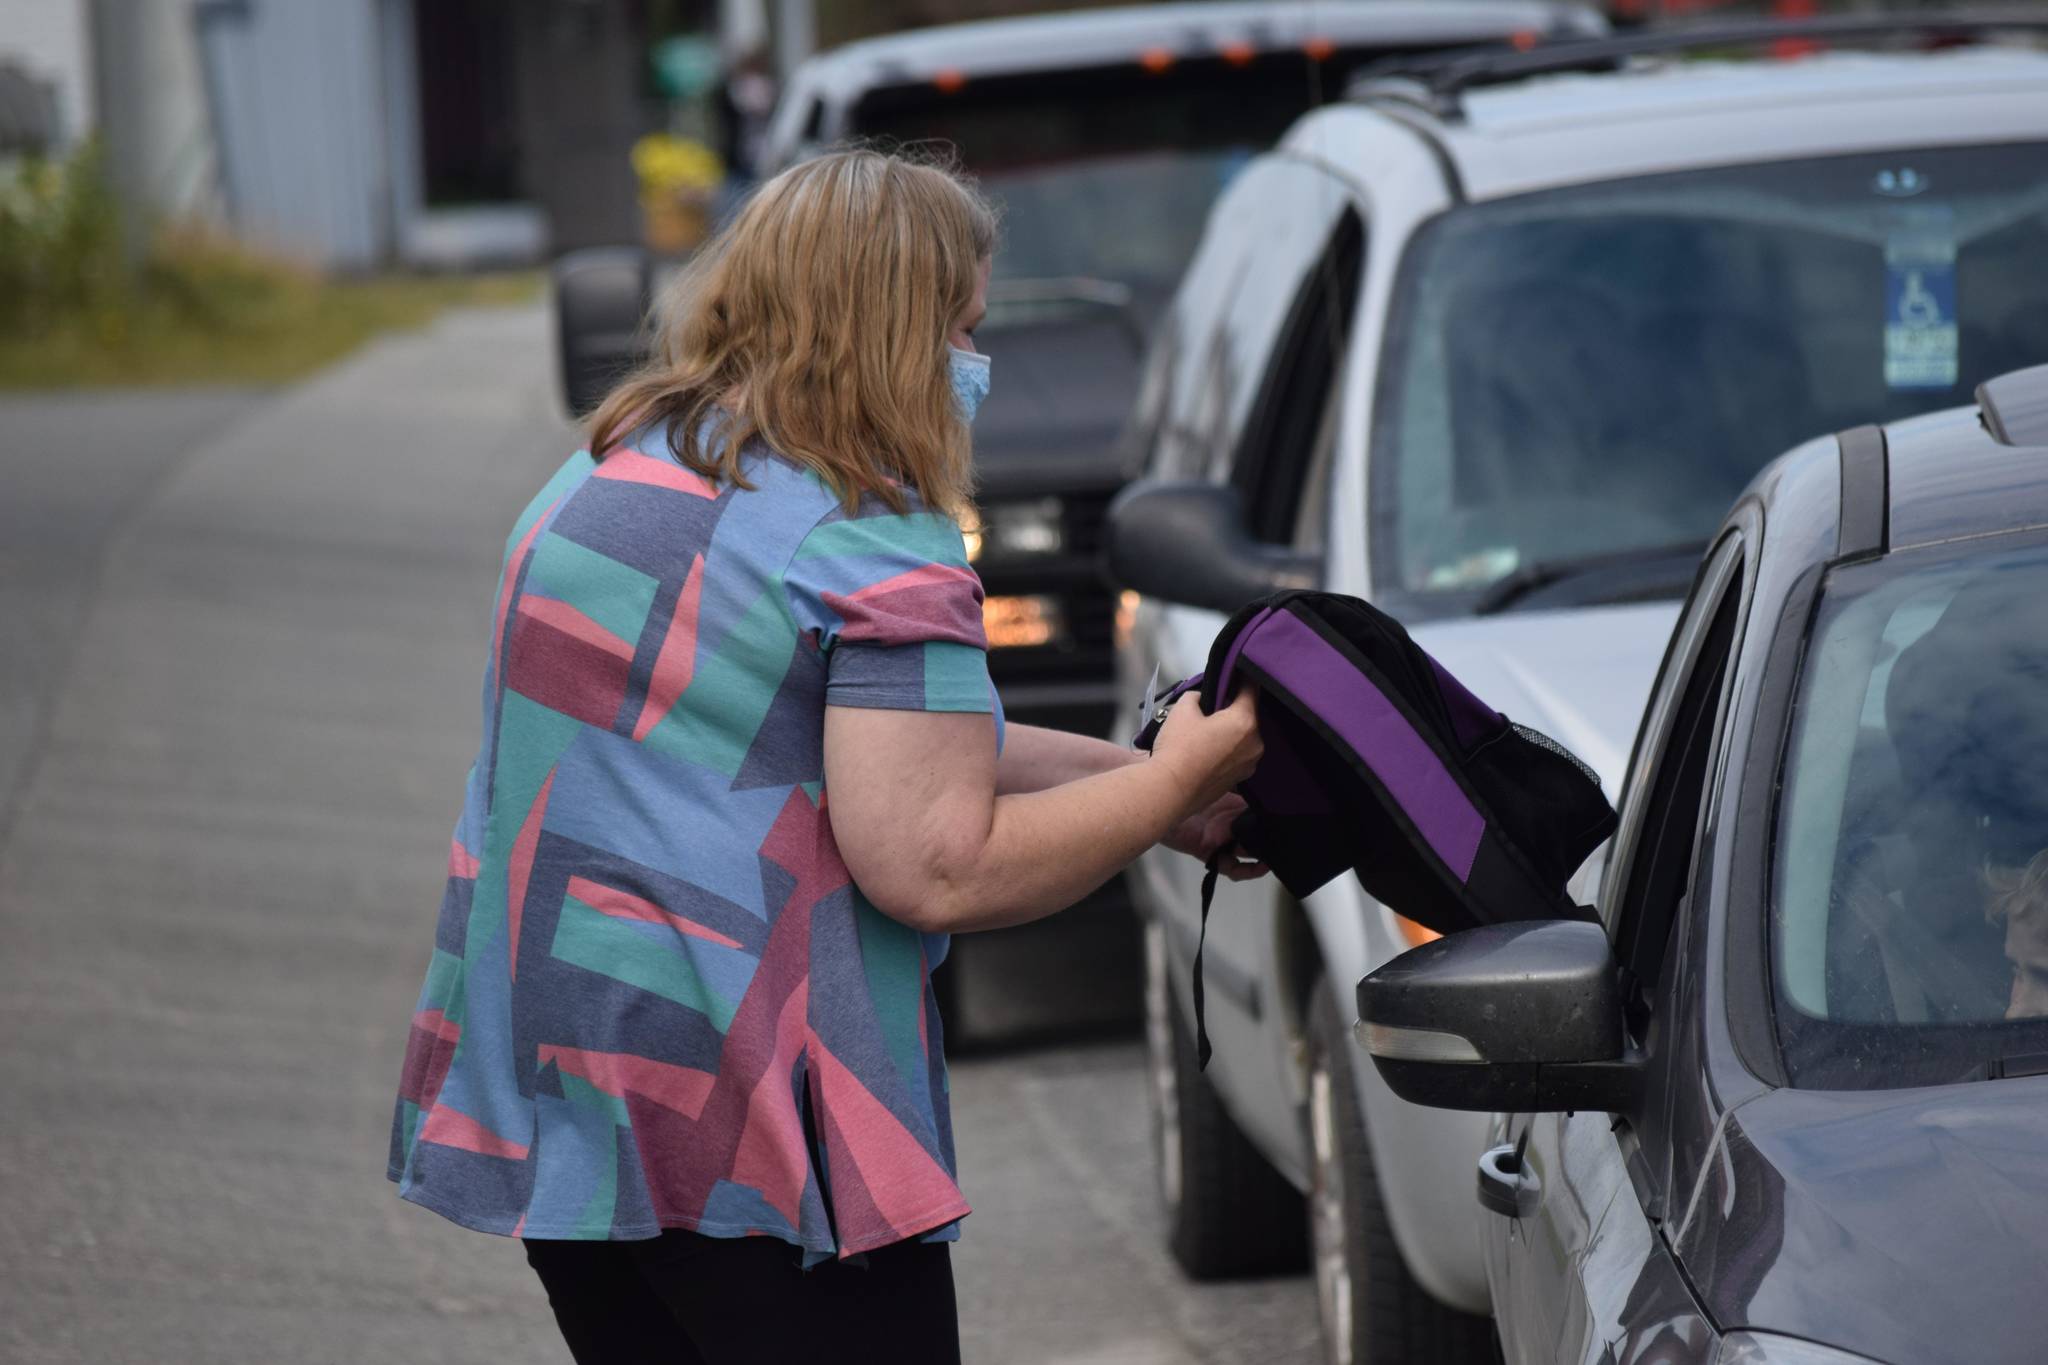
column 616, row 948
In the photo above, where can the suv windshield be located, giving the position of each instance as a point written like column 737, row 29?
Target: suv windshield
column 1601, row 369
column 1909, row 928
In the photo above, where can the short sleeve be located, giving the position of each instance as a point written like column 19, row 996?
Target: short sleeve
column 895, row 609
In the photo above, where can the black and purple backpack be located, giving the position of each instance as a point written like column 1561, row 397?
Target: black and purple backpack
column 1379, row 761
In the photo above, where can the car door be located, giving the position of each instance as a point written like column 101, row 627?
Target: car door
column 1565, row 1275
column 1237, row 398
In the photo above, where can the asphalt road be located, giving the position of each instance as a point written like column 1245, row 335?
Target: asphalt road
column 239, row 645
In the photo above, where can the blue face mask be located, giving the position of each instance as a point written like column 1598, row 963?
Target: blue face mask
column 970, row 381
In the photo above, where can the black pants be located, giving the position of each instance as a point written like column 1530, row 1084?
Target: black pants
column 687, row 1299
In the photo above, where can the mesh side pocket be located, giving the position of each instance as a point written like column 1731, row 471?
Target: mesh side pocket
column 1543, row 741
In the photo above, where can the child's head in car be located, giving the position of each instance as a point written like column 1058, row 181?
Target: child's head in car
column 2018, row 897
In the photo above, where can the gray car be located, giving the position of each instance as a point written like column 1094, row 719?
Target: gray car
column 1787, row 1103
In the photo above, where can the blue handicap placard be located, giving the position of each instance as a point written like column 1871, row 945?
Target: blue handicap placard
column 1920, row 334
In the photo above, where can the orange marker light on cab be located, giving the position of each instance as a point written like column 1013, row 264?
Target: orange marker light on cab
column 1155, row 59
column 1523, row 40
column 1319, row 49
column 1237, row 54
column 950, row 81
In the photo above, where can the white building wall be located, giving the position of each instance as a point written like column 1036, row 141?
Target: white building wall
column 303, row 106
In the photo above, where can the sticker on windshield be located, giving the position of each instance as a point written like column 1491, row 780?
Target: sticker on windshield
column 1920, row 305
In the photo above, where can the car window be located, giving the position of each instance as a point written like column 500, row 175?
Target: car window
column 1662, row 833
column 1290, row 418
column 1212, row 350
column 1909, row 938
column 1603, row 368
column 1298, row 205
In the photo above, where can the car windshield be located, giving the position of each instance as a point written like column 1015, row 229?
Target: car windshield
column 1909, row 941
column 1602, row 369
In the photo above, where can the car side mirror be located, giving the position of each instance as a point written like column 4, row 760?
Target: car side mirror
column 1187, row 543
column 1523, row 1018
column 602, row 295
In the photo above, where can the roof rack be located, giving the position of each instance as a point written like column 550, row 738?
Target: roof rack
column 1435, row 81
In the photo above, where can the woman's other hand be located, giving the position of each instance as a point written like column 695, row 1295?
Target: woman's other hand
column 1211, row 753
column 1207, row 834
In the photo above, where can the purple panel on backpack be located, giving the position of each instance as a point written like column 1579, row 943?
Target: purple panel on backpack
column 1230, row 658
column 1471, row 719
column 1330, row 685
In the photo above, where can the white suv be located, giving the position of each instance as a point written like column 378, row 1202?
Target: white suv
column 1497, row 354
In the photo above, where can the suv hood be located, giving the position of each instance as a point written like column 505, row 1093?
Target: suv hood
column 1580, row 676
column 1901, row 1224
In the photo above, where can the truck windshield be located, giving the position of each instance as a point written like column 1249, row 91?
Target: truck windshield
column 1107, row 175
column 1909, row 941
column 1594, row 370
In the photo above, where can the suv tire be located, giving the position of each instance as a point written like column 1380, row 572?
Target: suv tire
column 1228, row 1212
column 1373, row 1311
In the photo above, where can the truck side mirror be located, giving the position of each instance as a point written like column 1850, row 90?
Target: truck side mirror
column 602, row 296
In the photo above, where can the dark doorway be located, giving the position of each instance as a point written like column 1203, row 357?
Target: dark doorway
column 469, row 117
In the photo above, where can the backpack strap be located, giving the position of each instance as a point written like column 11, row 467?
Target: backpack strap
column 1201, row 939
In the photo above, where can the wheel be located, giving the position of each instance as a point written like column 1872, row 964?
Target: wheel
column 1373, row 1311
column 1228, row 1212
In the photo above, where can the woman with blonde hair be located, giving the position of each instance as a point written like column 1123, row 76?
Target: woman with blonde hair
column 742, row 773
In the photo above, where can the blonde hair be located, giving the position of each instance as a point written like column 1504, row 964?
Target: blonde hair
column 2016, row 891
column 818, row 322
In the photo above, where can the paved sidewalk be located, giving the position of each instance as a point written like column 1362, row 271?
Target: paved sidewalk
column 75, row 468
column 217, row 893
column 213, row 902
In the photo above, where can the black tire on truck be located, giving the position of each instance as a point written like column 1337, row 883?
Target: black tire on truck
column 1373, row 1310
column 1228, row 1212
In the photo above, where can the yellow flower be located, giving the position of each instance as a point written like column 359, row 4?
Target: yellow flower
column 665, row 162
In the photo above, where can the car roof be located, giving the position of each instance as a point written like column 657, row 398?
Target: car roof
column 1949, row 478
column 1556, row 130
column 1946, row 476
column 1064, row 41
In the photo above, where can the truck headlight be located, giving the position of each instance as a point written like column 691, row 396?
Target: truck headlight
column 1009, row 530
column 1017, row 622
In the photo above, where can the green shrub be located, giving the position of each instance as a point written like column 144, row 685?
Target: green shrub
column 199, row 308
column 60, row 246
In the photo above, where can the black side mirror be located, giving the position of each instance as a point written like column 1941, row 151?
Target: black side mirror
column 1523, row 1017
column 1186, row 542
column 602, row 295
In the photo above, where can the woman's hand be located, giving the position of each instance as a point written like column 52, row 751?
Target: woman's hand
column 1207, row 833
column 1210, row 753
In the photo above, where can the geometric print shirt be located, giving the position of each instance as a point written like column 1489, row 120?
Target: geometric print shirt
column 655, row 998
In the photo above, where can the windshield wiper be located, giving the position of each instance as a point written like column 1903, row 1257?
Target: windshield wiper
column 1086, row 289
column 1513, row 587
column 2015, row 1065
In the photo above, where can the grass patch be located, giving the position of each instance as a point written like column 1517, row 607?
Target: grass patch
column 198, row 310
column 292, row 329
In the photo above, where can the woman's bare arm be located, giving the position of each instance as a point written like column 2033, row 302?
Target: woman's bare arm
column 1035, row 758
column 928, row 839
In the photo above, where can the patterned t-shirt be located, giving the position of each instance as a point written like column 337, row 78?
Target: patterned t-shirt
column 656, row 999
